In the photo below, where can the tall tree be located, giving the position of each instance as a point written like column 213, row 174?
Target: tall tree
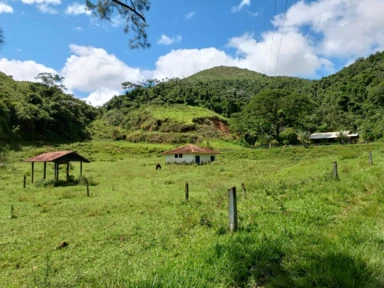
column 272, row 110
column 132, row 12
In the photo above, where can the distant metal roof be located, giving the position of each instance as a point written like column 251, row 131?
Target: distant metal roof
column 58, row 156
column 191, row 149
column 331, row 135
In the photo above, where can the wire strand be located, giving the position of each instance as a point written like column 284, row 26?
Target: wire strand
column 281, row 36
column 270, row 55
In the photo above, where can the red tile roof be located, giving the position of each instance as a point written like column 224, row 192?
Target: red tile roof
column 190, row 149
column 56, row 156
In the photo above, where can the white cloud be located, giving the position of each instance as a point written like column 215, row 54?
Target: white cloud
column 189, row 15
column 101, row 96
column 77, row 28
column 165, row 40
column 116, row 21
column 253, row 14
column 44, row 8
column 23, row 70
column 185, row 62
column 53, row 2
column 346, row 27
column 4, row 8
column 77, row 9
column 241, row 5
column 89, row 69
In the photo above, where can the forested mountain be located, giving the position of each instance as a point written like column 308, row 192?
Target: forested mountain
column 352, row 99
column 41, row 111
column 257, row 106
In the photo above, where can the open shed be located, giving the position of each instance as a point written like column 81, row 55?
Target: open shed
column 58, row 157
column 190, row 154
column 333, row 137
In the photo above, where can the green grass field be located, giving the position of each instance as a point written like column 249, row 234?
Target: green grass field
column 298, row 226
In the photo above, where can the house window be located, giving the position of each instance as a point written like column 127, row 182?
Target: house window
column 212, row 158
column 176, row 155
column 180, row 155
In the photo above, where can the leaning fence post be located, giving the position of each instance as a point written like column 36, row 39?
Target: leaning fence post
column 335, row 172
column 25, row 181
column 370, row 158
column 186, row 191
column 244, row 190
column 232, row 210
column 87, row 189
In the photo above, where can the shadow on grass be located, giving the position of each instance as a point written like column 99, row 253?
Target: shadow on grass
column 249, row 262
column 83, row 181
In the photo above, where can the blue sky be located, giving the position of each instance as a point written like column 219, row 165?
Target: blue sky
column 317, row 38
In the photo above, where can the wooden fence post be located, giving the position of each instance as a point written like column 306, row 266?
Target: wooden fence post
column 232, row 209
column 87, row 189
column 370, row 158
column 186, row 191
column 244, row 190
column 25, row 181
column 335, row 172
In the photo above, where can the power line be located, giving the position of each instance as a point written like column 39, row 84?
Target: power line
column 270, row 55
column 281, row 36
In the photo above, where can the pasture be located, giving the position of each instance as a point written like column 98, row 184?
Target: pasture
column 298, row 227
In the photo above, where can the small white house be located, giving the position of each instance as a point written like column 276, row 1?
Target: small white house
column 190, row 154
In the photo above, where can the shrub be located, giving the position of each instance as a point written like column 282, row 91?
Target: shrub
column 289, row 136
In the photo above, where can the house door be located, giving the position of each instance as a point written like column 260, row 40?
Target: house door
column 212, row 158
column 197, row 160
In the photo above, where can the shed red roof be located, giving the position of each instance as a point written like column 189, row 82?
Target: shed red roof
column 57, row 156
column 190, row 149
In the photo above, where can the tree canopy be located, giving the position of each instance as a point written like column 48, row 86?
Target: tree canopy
column 132, row 12
column 42, row 111
column 270, row 112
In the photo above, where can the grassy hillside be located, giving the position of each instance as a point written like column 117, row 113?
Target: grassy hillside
column 162, row 124
column 177, row 113
column 298, row 227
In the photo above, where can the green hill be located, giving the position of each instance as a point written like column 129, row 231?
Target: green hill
column 227, row 73
column 36, row 111
column 162, row 124
column 351, row 99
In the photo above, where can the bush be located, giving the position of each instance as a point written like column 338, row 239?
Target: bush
column 289, row 136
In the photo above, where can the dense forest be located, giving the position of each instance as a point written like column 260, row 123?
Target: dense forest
column 42, row 111
column 257, row 107
column 351, row 99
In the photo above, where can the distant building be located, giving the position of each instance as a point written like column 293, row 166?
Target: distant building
column 333, row 137
column 190, row 154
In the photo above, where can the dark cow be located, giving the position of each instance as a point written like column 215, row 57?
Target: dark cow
column 158, row 166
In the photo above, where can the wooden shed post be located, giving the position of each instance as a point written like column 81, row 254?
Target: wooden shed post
column 58, row 166
column 186, row 191
column 55, row 170
column 335, row 171
column 33, row 170
column 81, row 168
column 232, row 209
column 45, row 170
column 67, row 171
